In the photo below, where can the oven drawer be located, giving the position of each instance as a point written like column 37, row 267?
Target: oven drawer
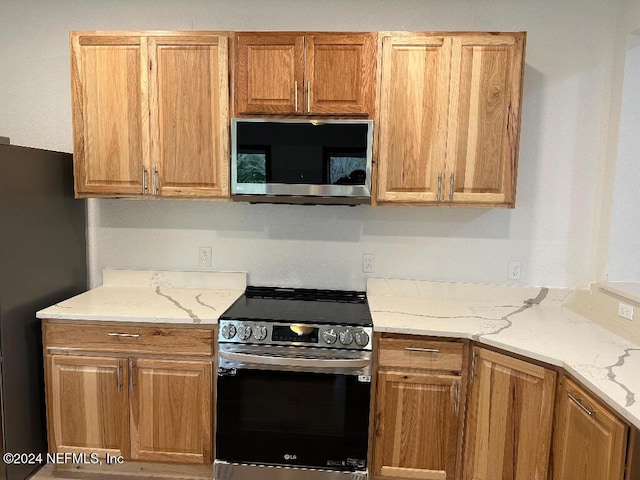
column 127, row 338
column 420, row 354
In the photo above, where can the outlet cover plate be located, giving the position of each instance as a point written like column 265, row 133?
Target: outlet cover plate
column 368, row 263
column 204, row 257
column 515, row 270
column 625, row 311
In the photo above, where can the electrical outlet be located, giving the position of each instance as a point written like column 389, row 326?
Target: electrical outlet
column 368, row 263
column 204, row 257
column 625, row 311
column 515, row 269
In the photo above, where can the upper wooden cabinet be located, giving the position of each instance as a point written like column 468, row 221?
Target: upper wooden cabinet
column 509, row 418
column 305, row 74
column 449, row 118
column 150, row 114
column 269, row 73
column 589, row 442
column 111, row 145
column 412, row 126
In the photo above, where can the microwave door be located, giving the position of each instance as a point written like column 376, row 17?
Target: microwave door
column 301, row 158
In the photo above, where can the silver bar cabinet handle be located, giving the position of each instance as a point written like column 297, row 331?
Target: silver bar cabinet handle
column 439, row 187
column 131, row 382
column 155, row 180
column 473, row 366
column 455, row 398
column 119, row 377
column 308, row 97
column 144, row 180
column 578, row 402
column 424, row 350
column 451, row 186
column 296, row 95
column 128, row 335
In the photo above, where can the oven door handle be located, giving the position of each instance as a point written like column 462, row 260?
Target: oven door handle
column 356, row 363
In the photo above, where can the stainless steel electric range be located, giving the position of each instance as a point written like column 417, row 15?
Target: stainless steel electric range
column 294, row 378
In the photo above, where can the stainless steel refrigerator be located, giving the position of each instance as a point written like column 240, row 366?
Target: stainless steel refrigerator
column 42, row 261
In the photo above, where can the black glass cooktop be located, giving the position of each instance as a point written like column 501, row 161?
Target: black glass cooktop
column 301, row 305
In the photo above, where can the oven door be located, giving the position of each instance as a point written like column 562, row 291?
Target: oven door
column 283, row 406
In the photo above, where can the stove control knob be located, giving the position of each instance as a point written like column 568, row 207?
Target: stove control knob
column 361, row 338
column 229, row 331
column 244, row 332
column 330, row 336
column 260, row 332
column 346, row 337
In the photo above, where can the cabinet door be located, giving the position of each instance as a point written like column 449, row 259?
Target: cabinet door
column 87, row 404
column 110, row 111
column 509, row 419
column 171, row 411
column 484, row 123
column 412, row 126
column 340, row 73
column 416, row 426
column 589, row 442
column 189, row 116
column 269, row 73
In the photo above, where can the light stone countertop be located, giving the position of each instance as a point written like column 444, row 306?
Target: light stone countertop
column 530, row 321
column 155, row 297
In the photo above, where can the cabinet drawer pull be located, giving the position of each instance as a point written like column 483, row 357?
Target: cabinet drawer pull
column 578, row 402
column 127, row 335
column 119, row 377
column 439, row 187
column 424, row 350
column 296, row 96
column 308, row 97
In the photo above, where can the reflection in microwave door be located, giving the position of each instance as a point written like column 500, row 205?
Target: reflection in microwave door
column 252, row 164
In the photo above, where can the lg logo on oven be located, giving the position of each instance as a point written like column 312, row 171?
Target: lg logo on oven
column 289, row 456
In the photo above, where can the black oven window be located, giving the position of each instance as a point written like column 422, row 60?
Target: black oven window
column 307, row 406
column 345, row 167
column 253, row 164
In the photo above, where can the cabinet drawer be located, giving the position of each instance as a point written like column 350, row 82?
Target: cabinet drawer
column 422, row 354
column 127, row 338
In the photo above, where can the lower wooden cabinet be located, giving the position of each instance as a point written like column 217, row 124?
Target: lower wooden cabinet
column 589, row 442
column 88, row 404
column 424, row 429
column 171, row 411
column 124, row 401
column 417, row 428
column 419, row 404
column 509, row 418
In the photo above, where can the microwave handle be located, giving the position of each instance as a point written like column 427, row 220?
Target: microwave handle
column 355, row 363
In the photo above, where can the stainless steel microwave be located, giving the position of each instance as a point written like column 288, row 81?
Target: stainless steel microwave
column 301, row 161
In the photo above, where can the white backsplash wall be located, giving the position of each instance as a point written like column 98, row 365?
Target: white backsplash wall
column 570, row 49
column 623, row 255
column 322, row 246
